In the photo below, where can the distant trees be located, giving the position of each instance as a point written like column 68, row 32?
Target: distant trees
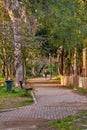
column 66, row 25
column 31, row 28
column 6, row 47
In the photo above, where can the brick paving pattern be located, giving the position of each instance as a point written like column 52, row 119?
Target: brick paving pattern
column 52, row 103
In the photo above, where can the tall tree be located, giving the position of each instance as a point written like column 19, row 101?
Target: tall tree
column 14, row 10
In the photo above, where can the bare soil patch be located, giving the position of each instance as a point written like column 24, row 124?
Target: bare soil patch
column 12, row 102
column 29, row 124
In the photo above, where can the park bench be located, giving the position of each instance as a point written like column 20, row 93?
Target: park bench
column 25, row 88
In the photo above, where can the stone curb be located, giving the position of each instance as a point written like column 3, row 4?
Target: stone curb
column 34, row 98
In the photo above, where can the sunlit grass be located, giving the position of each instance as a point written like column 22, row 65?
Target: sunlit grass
column 76, row 122
column 15, row 98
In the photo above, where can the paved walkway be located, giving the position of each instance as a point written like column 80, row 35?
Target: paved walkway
column 52, row 103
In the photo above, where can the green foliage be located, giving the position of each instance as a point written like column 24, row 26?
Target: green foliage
column 14, row 93
column 23, row 103
column 63, row 124
column 45, row 46
column 70, row 86
column 77, row 122
column 59, row 24
column 65, row 23
column 0, row 75
column 2, row 79
column 6, row 40
column 82, row 90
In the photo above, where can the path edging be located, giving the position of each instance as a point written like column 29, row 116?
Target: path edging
column 11, row 109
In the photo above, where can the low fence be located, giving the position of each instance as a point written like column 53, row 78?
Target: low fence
column 77, row 81
column 83, row 82
column 66, row 80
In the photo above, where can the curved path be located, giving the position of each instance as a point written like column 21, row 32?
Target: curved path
column 52, row 103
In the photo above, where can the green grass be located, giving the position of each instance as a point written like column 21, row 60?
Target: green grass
column 16, row 92
column 82, row 90
column 15, row 98
column 70, row 86
column 63, row 124
column 23, row 103
column 78, row 122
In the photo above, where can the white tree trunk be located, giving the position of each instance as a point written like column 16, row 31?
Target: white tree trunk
column 16, row 13
column 19, row 74
column 16, row 21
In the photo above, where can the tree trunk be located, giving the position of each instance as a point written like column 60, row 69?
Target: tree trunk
column 75, row 78
column 16, row 21
column 62, row 62
column 85, row 62
column 75, row 61
column 19, row 74
column 17, row 14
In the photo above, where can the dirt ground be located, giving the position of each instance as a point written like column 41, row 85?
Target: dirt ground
column 31, row 124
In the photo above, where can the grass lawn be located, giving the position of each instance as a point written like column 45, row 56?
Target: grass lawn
column 78, row 122
column 15, row 98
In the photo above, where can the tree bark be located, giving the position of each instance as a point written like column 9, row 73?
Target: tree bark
column 75, row 61
column 85, row 62
column 17, row 14
column 19, row 74
column 16, row 21
column 62, row 62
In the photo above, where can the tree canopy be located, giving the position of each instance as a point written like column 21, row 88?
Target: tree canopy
column 45, row 26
